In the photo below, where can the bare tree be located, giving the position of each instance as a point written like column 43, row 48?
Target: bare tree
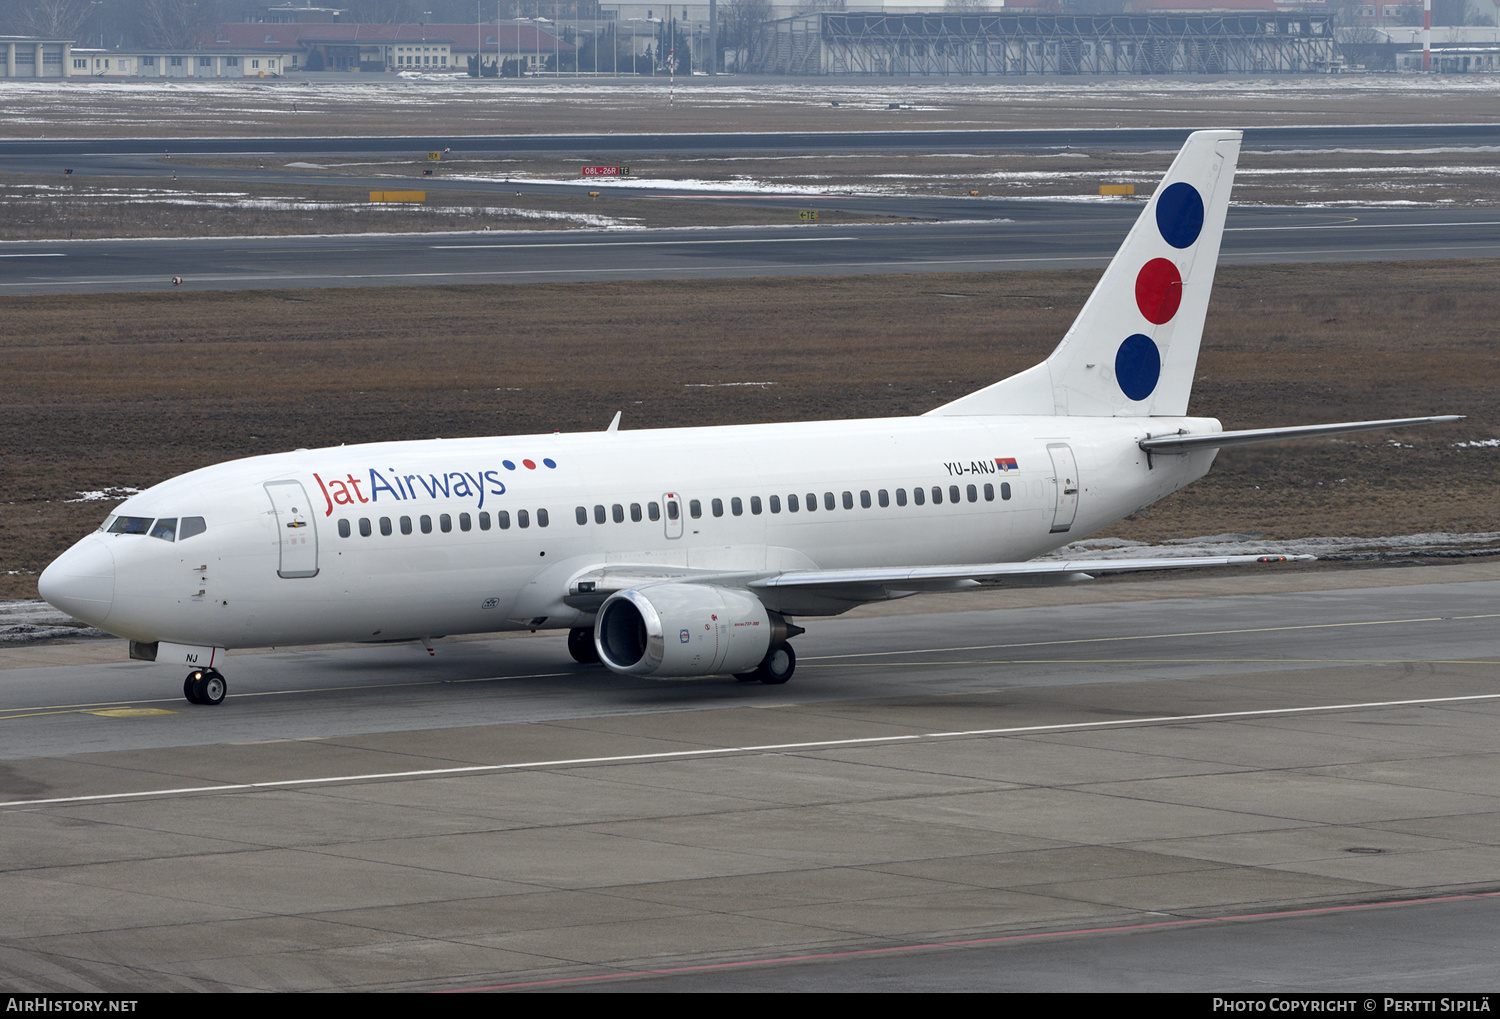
column 54, row 19
column 740, row 23
column 175, row 23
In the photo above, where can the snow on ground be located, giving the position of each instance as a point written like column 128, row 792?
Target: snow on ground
column 1437, row 545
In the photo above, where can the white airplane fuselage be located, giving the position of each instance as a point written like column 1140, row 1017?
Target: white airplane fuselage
column 273, row 566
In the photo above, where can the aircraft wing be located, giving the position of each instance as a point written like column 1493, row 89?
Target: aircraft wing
column 1183, row 443
column 820, row 592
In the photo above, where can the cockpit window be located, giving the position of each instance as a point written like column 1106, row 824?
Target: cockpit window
column 130, row 525
column 165, row 529
column 189, row 527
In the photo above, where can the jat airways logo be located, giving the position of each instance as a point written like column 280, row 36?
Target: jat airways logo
column 393, row 486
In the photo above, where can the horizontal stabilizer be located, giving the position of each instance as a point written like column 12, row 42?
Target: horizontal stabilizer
column 1184, row 443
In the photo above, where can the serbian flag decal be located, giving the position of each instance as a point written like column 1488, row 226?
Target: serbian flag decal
column 1006, row 463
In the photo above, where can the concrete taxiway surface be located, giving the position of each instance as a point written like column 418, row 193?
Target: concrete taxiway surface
column 1134, row 755
column 998, row 236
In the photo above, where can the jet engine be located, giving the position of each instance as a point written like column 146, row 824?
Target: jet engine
column 683, row 630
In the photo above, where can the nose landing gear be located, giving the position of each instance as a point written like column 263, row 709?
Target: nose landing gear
column 205, row 686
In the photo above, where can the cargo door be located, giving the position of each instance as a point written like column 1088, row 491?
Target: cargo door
column 1065, row 482
column 296, row 529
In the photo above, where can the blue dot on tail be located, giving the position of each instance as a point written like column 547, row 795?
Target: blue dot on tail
column 1137, row 366
column 1179, row 214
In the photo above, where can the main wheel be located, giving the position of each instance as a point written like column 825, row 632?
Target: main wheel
column 778, row 665
column 581, row 645
column 189, row 688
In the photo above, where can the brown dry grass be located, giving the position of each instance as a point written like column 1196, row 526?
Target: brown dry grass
column 130, row 389
column 82, row 208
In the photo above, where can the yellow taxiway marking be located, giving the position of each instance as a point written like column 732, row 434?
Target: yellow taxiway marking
column 128, row 712
column 768, row 748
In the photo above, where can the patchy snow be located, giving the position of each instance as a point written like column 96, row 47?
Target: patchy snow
column 1437, row 544
column 105, row 495
column 24, row 622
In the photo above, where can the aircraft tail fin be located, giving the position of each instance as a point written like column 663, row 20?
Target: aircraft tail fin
column 1133, row 348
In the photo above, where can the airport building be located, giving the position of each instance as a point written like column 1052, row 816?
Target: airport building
column 29, row 57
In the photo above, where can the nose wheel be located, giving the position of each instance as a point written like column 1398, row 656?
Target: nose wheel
column 205, row 686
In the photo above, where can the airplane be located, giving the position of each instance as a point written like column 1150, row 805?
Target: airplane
column 688, row 552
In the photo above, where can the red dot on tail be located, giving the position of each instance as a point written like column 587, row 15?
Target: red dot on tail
column 529, row 465
column 1158, row 290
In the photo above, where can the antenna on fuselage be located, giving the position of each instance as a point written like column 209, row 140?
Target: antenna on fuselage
column 614, row 426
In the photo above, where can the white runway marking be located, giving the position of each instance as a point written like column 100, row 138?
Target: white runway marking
column 642, row 244
column 769, row 748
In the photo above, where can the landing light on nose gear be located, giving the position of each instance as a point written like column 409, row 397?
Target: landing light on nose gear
column 205, row 686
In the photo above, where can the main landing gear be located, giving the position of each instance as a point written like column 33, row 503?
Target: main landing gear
column 581, row 645
column 774, row 669
column 205, row 686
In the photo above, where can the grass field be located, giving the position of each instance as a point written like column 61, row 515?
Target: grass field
column 126, row 390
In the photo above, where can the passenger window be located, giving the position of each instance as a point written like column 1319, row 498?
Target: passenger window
column 344, row 531
column 973, row 494
column 937, row 495
column 406, row 525
column 672, row 511
column 484, row 521
column 541, row 518
column 849, row 500
column 582, row 514
column 900, row 497
column 523, row 519
column 737, row 506
column 463, row 522
column 828, row 500
column 718, row 505
column 864, row 499
column 130, row 525
column 189, row 527
column 918, row 496
column 1005, row 490
column 775, row 502
column 953, row 493
column 426, row 524
column 385, row 526
column 989, row 492
column 635, row 512
column 445, row 522
column 502, row 519
column 599, row 516
column 885, row 498
column 812, row 502
column 791, row 504
column 364, row 527
column 165, row 529
column 695, row 509
column 653, row 511
column 755, row 504
column 618, row 512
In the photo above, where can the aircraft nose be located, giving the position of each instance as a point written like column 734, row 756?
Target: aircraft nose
column 81, row 581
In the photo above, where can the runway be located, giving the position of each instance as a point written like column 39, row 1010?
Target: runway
column 1184, row 783
column 1011, row 236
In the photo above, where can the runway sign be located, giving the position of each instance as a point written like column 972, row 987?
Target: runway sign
column 808, row 215
column 1126, row 190
column 605, row 171
column 398, row 196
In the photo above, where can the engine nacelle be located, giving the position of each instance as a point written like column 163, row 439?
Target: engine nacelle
column 682, row 630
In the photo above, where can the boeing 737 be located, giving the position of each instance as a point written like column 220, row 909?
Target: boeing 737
column 690, row 551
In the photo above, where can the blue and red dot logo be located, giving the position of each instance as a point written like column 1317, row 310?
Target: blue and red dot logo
column 1158, row 289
